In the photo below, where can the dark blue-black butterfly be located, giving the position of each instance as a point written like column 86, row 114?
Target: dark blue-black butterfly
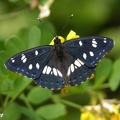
column 68, row 63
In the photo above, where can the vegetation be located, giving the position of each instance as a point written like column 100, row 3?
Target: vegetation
column 21, row 98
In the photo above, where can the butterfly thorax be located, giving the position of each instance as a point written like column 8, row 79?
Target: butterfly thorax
column 58, row 47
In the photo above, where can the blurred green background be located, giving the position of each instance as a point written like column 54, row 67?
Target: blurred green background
column 20, row 98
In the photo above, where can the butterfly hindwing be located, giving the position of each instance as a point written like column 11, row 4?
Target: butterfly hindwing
column 89, row 49
column 30, row 62
column 78, row 72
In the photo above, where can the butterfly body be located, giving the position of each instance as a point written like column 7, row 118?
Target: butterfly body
column 58, row 48
column 71, row 62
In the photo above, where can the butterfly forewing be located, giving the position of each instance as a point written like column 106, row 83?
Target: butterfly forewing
column 90, row 50
column 30, row 62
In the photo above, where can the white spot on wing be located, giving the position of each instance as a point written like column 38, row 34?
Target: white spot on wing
column 75, row 67
column 77, row 63
column 94, row 43
column 91, row 53
column 55, row 71
column 72, row 68
column 30, row 66
column 80, row 43
column 104, row 40
column 36, row 52
column 80, row 61
column 23, row 57
column 37, row 65
column 48, row 70
column 84, row 55
column 68, row 72
column 59, row 73
column 44, row 70
column 13, row 60
column 24, row 60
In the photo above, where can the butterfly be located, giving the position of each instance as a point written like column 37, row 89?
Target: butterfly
column 61, row 64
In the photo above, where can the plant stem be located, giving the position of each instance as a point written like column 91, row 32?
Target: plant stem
column 69, row 103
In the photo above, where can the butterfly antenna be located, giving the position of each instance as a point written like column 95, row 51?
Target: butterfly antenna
column 66, row 23
column 46, row 27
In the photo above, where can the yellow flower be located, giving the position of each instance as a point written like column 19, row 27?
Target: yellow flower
column 87, row 116
column 70, row 36
column 107, row 110
column 115, row 117
column 115, row 109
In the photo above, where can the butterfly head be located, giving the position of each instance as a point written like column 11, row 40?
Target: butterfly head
column 57, row 41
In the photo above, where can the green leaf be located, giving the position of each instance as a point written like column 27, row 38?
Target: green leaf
column 26, row 111
column 4, row 86
column 12, row 112
column 29, row 113
column 14, row 45
column 102, row 71
column 3, row 57
column 51, row 111
column 38, row 95
column 34, row 37
column 114, row 80
column 23, row 34
column 19, row 86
